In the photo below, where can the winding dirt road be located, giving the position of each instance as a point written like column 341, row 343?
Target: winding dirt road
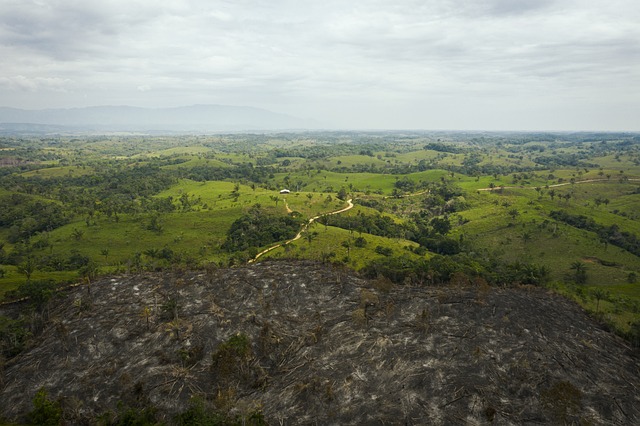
column 553, row 186
column 303, row 229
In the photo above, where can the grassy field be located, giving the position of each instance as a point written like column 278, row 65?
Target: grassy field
column 511, row 222
column 329, row 245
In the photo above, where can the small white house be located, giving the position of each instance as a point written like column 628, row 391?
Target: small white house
column 284, row 191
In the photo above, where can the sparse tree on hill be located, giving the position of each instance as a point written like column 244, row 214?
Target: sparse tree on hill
column 579, row 272
column 77, row 234
column 89, row 272
column 27, row 268
column 105, row 253
column 599, row 295
column 310, row 236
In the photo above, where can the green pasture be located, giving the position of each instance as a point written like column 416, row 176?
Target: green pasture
column 354, row 160
column 331, row 239
column 13, row 279
column 220, row 195
column 414, row 156
column 178, row 150
column 236, row 157
column 62, row 171
column 331, row 182
column 195, row 161
column 615, row 308
column 488, row 227
column 193, row 234
column 309, row 204
column 613, row 165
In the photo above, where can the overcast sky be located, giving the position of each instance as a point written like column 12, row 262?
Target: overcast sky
column 431, row 64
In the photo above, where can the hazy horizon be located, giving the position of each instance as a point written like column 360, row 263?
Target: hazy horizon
column 512, row 65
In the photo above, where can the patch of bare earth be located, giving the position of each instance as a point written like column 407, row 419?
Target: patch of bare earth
column 326, row 347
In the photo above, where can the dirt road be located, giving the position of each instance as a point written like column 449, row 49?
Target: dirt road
column 553, row 186
column 303, row 229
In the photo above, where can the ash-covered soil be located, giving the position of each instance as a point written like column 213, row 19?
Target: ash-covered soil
column 306, row 343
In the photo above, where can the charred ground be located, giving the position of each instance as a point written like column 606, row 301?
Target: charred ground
column 300, row 342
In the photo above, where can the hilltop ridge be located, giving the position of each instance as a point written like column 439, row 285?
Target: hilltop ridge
column 303, row 342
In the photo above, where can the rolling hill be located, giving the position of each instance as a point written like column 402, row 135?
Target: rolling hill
column 194, row 118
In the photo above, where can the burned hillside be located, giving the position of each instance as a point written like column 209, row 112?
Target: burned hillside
column 305, row 343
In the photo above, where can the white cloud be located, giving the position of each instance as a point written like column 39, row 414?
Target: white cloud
column 369, row 63
column 34, row 84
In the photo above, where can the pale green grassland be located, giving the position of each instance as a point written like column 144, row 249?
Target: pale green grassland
column 449, row 159
column 192, row 234
column 179, row 150
column 414, row 157
column 331, row 182
column 219, row 195
column 192, row 161
column 487, row 225
column 237, row 158
column 52, row 172
column 490, row 228
column 13, row 279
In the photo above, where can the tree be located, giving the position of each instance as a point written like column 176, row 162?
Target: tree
column 38, row 292
column 342, row 194
column 513, row 213
column 27, row 268
column 89, row 272
column 347, row 244
column 77, row 234
column 45, row 411
column 599, row 294
column 579, row 272
column 146, row 314
column 440, row 225
column 360, row 242
column 154, row 224
column 105, row 253
column 310, row 236
column 275, row 199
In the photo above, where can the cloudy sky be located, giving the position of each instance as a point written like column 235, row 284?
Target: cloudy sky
column 430, row 64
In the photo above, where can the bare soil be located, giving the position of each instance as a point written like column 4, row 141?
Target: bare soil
column 325, row 347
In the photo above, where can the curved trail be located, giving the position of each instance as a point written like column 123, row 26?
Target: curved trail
column 553, row 186
column 304, row 228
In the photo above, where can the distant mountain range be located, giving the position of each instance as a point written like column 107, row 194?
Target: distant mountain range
column 195, row 118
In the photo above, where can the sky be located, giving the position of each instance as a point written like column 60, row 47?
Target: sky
column 361, row 64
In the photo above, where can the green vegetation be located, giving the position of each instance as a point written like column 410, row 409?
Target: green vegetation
column 556, row 210
column 45, row 411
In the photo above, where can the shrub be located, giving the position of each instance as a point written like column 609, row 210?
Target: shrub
column 385, row 251
column 232, row 356
column 45, row 412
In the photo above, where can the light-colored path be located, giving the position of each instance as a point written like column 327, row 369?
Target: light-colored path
column 555, row 185
column 303, row 229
